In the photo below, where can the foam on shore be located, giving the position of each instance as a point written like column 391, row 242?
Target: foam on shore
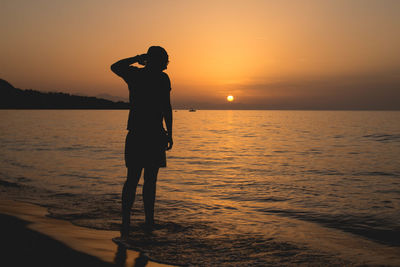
column 97, row 243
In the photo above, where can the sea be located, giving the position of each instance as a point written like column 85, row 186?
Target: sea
column 241, row 187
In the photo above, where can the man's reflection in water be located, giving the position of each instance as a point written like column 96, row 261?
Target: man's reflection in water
column 121, row 258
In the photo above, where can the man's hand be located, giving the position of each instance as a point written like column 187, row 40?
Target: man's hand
column 170, row 142
column 142, row 59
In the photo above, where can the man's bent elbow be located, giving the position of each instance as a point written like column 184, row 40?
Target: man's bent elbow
column 114, row 68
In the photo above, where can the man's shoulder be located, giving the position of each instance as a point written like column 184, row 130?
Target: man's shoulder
column 132, row 74
column 166, row 80
column 164, row 76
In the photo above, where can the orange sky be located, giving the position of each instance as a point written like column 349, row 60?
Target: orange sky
column 268, row 54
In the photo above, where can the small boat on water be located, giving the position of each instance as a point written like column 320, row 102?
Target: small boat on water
column 192, row 110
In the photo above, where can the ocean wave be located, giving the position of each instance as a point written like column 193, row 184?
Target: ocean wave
column 261, row 199
column 376, row 173
column 369, row 226
column 9, row 184
column 323, row 172
column 384, row 138
column 201, row 244
column 75, row 148
column 18, row 164
column 80, row 176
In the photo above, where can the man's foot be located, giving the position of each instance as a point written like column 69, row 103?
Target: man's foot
column 148, row 226
column 119, row 241
column 124, row 236
column 149, row 223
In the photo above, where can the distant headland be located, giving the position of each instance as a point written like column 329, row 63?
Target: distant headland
column 14, row 98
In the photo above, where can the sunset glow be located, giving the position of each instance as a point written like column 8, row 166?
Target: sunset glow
column 279, row 54
column 230, row 98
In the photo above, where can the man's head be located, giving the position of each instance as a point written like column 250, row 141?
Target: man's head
column 157, row 58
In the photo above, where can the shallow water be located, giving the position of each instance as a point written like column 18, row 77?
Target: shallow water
column 241, row 187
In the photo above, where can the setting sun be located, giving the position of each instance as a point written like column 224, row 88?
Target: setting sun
column 230, row 98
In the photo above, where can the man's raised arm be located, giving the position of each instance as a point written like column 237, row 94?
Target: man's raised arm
column 122, row 66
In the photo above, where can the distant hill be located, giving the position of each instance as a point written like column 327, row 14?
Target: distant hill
column 112, row 97
column 14, row 98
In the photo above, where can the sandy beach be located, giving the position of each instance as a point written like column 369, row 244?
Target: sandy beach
column 31, row 238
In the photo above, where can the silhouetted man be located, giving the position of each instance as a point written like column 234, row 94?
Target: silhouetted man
column 147, row 140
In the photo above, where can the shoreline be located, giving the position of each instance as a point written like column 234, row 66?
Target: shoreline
column 32, row 236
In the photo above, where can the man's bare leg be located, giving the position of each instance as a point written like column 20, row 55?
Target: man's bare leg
column 128, row 198
column 149, row 194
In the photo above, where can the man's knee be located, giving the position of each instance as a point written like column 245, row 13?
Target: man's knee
column 130, row 184
column 150, row 175
column 134, row 173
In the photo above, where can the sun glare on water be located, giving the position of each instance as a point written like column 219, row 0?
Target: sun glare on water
column 230, row 98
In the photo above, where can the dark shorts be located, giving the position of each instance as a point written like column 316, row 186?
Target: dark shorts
column 145, row 150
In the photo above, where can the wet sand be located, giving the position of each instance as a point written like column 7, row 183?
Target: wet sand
column 29, row 238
